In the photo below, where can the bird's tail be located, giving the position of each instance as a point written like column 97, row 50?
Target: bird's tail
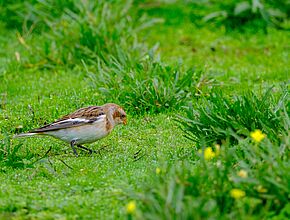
column 29, row 134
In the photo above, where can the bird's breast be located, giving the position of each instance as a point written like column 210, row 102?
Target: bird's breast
column 83, row 134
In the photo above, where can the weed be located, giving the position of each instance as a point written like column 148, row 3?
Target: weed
column 214, row 118
column 89, row 30
column 9, row 154
column 206, row 189
column 147, row 86
column 237, row 14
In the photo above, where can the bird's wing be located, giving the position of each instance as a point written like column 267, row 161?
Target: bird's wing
column 87, row 112
column 80, row 117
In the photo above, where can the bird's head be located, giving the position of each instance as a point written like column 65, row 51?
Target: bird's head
column 118, row 114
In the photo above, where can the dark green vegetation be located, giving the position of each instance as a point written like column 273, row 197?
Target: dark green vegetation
column 186, row 84
column 214, row 118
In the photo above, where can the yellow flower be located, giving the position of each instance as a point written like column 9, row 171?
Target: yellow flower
column 257, row 135
column 131, row 207
column 261, row 189
column 243, row 174
column 208, row 153
column 237, row 193
column 158, row 170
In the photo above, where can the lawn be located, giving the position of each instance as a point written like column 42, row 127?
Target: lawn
column 207, row 103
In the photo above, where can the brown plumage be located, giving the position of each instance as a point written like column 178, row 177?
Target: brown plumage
column 87, row 112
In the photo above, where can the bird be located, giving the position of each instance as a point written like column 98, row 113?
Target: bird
column 83, row 126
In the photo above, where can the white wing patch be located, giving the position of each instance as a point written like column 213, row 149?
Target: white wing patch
column 71, row 122
column 81, row 120
column 76, row 120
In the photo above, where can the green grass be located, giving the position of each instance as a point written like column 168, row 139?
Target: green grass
column 162, row 64
column 212, row 119
column 100, row 184
column 201, row 189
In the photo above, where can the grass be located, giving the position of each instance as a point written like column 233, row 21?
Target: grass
column 234, row 57
column 163, row 65
column 212, row 119
column 201, row 188
column 96, row 182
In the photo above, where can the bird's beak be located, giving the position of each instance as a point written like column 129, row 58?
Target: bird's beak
column 125, row 121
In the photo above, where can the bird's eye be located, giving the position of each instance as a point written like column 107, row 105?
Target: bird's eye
column 123, row 116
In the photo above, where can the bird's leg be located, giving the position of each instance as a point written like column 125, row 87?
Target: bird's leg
column 90, row 150
column 85, row 148
column 72, row 144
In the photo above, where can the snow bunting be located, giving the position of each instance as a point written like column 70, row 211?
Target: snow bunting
column 83, row 126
